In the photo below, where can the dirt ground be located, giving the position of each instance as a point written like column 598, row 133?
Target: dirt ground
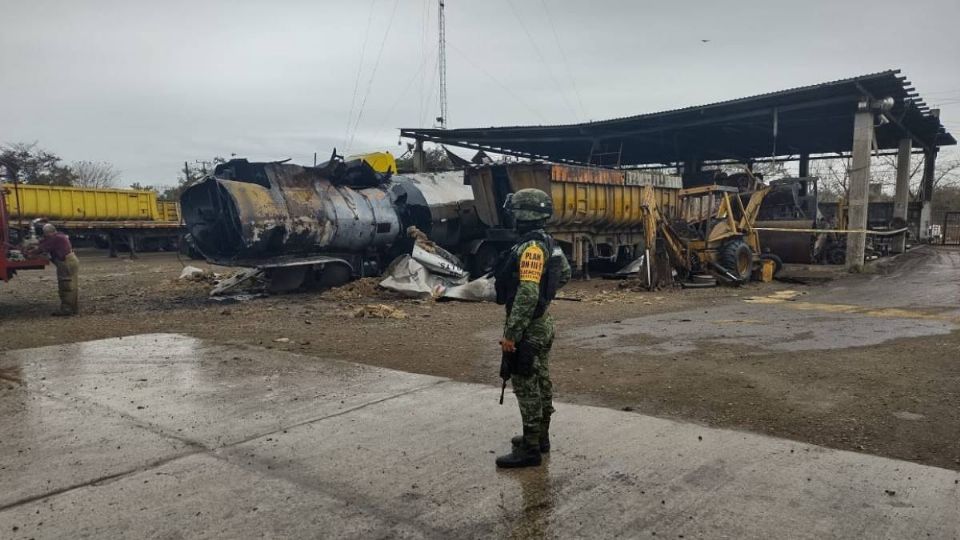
column 896, row 398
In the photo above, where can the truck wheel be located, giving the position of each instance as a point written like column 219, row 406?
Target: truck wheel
column 737, row 257
column 333, row 275
column 285, row 279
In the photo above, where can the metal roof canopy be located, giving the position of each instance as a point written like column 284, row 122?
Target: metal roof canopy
column 808, row 120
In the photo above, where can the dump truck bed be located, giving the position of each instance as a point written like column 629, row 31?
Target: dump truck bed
column 67, row 203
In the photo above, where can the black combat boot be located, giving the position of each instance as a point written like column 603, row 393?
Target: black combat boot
column 522, row 455
column 544, row 438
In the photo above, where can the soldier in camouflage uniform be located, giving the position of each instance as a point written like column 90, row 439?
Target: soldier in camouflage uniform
column 527, row 279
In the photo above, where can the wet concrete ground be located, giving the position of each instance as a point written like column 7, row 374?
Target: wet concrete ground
column 918, row 297
column 169, row 436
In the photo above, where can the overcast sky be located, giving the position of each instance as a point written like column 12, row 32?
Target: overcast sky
column 149, row 85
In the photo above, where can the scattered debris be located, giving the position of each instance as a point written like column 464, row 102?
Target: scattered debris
column 605, row 296
column 421, row 239
column 379, row 311
column 632, row 268
column 191, row 273
column 423, row 274
column 775, row 298
column 481, row 289
column 248, row 279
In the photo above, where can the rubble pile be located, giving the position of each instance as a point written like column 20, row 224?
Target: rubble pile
column 356, row 290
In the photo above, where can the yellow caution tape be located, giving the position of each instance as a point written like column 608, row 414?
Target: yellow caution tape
column 832, row 231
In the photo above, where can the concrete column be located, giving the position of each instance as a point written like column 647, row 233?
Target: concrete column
column 804, row 166
column 925, row 212
column 929, row 170
column 859, row 193
column 419, row 157
column 902, row 197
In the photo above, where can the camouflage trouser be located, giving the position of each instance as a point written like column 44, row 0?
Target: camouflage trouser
column 535, row 392
column 68, row 271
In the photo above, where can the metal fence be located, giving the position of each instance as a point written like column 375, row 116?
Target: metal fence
column 951, row 229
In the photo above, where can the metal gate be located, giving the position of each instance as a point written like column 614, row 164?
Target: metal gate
column 951, row 229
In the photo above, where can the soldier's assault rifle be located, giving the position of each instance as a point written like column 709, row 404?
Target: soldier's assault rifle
column 507, row 360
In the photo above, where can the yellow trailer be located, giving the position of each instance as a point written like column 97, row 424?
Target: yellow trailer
column 598, row 213
column 67, row 203
column 168, row 211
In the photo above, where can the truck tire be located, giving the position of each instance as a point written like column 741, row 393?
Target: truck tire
column 285, row 279
column 737, row 257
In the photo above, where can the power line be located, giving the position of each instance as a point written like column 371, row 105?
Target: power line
column 373, row 74
column 494, row 79
column 563, row 56
column 389, row 114
column 543, row 60
column 431, row 90
column 356, row 83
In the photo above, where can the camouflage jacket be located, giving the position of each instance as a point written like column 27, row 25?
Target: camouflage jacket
column 532, row 257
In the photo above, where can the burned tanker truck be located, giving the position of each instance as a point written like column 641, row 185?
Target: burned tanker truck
column 322, row 225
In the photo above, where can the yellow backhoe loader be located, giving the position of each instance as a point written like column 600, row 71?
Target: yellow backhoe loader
column 712, row 233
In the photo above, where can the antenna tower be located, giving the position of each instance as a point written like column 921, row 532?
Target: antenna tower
column 442, row 62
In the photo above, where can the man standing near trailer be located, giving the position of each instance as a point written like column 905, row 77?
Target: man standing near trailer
column 527, row 279
column 57, row 246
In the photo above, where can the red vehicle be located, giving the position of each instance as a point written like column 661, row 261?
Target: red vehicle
column 10, row 265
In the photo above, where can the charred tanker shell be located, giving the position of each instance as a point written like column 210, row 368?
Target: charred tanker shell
column 263, row 214
column 263, row 210
column 439, row 204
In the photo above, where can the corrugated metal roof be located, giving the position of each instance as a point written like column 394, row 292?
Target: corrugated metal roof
column 809, row 119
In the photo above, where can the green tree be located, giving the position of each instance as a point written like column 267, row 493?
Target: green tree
column 30, row 164
column 143, row 187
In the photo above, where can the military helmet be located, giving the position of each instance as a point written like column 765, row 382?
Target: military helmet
column 530, row 205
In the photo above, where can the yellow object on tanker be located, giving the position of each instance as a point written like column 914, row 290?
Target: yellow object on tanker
column 382, row 162
column 66, row 203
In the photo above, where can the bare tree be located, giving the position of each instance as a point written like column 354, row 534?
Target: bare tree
column 95, row 174
column 834, row 174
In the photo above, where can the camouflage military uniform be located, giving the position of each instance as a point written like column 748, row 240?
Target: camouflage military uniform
column 535, row 391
